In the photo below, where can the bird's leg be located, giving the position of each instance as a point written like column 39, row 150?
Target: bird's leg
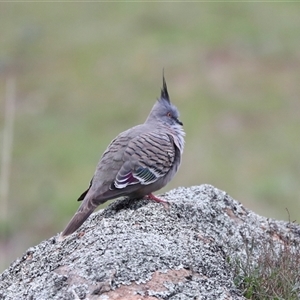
column 156, row 199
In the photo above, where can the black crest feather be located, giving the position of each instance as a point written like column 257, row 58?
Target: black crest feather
column 164, row 91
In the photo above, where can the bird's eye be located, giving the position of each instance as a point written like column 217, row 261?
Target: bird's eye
column 169, row 115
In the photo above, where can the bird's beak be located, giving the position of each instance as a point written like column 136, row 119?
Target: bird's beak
column 179, row 122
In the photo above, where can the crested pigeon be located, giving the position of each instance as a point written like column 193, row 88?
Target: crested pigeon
column 139, row 161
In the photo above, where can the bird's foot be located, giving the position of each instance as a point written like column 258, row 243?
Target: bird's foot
column 156, row 199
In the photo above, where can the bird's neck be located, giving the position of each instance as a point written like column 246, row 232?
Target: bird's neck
column 178, row 135
column 176, row 131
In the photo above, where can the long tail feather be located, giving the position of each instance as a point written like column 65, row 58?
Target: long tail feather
column 84, row 211
column 90, row 203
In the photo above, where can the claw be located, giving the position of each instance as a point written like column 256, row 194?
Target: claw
column 156, row 199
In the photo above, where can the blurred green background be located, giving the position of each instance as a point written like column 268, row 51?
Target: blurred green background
column 84, row 72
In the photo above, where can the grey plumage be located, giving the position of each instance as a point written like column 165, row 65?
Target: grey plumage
column 139, row 161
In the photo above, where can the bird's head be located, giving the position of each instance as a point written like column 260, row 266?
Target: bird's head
column 164, row 111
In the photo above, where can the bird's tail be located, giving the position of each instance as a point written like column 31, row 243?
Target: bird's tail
column 83, row 212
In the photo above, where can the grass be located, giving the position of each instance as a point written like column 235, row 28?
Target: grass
column 87, row 71
column 274, row 276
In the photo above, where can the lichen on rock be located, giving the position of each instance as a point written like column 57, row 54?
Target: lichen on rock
column 137, row 249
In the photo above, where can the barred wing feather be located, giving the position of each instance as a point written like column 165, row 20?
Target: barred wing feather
column 147, row 157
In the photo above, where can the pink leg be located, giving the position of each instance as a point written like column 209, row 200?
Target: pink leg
column 154, row 198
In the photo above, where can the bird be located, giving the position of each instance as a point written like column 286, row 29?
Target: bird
column 138, row 162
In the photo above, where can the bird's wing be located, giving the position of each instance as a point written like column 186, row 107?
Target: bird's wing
column 147, row 158
column 135, row 158
column 110, row 163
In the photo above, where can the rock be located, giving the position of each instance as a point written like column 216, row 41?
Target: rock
column 139, row 250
